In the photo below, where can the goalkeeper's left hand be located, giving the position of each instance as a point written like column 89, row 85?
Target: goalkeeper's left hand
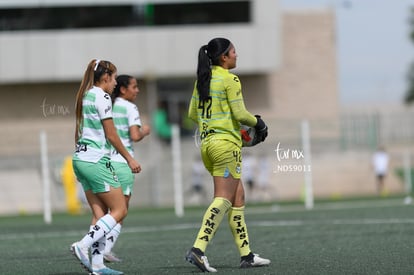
column 261, row 130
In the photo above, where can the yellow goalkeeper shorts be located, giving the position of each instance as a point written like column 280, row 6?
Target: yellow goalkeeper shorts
column 222, row 158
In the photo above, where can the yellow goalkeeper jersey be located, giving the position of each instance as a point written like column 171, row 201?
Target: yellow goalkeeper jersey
column 220, row 116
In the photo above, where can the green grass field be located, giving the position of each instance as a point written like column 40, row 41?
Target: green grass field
column 346, row 237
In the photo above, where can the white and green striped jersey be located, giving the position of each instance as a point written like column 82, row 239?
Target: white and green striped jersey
column 92, row 144
column 125, row 114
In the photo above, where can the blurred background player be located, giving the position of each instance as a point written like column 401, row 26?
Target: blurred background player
column 248, row 168
column 95, row 133
column 197, row 192
column 217, row 107
column 162, row 126
column 130, row 129
column 380, row 161
column 264, row 171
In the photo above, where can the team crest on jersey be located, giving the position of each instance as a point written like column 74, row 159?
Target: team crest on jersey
column 238, row 169
column 108, row 109
column 236, row 79
column 107, row 96
column 226, row 173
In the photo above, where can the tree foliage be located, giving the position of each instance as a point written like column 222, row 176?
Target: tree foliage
column 409, row 96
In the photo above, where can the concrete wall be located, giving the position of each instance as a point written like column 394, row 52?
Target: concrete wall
column 167, row 51
column 306, row 86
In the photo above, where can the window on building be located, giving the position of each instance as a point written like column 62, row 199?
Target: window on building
column 94, row 16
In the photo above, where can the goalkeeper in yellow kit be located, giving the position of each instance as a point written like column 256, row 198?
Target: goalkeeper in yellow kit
column 218, row 108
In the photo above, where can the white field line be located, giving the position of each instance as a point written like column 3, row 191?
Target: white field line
column 327, row 206
column 178, row 227
column 255, row 210
column 330, row 222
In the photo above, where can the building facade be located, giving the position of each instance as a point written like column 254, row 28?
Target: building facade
column 287, row 65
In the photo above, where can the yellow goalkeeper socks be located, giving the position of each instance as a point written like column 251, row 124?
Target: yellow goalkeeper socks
column 211, row 221
column 239, row 229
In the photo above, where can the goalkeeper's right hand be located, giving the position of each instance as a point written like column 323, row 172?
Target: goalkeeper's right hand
column 261, row 129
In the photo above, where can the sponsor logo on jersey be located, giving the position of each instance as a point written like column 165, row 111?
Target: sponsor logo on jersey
column 108, row 109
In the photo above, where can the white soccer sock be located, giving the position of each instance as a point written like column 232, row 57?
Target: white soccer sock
column 102, row 226
column 97, row 251
column 111, row 237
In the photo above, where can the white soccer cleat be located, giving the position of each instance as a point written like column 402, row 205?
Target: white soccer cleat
column 254, row 261
column 197, row 258
column 82, row 254
column 111, row 257
column 106, row 271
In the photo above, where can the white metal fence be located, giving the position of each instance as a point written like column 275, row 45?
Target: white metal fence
column 340, row 151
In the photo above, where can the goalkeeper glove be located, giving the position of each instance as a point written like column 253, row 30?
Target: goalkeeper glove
column 261, row 130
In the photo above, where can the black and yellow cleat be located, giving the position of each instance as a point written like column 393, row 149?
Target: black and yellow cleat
column 196, row 257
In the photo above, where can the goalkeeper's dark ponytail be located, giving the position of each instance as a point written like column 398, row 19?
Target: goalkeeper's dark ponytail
column 203, row 74
column 209, row 55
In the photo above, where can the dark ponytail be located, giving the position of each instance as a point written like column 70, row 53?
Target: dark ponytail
column 121, row 81
column 203, row 74
column 209, row 55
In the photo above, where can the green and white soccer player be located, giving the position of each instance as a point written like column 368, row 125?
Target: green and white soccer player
column 130, row 129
